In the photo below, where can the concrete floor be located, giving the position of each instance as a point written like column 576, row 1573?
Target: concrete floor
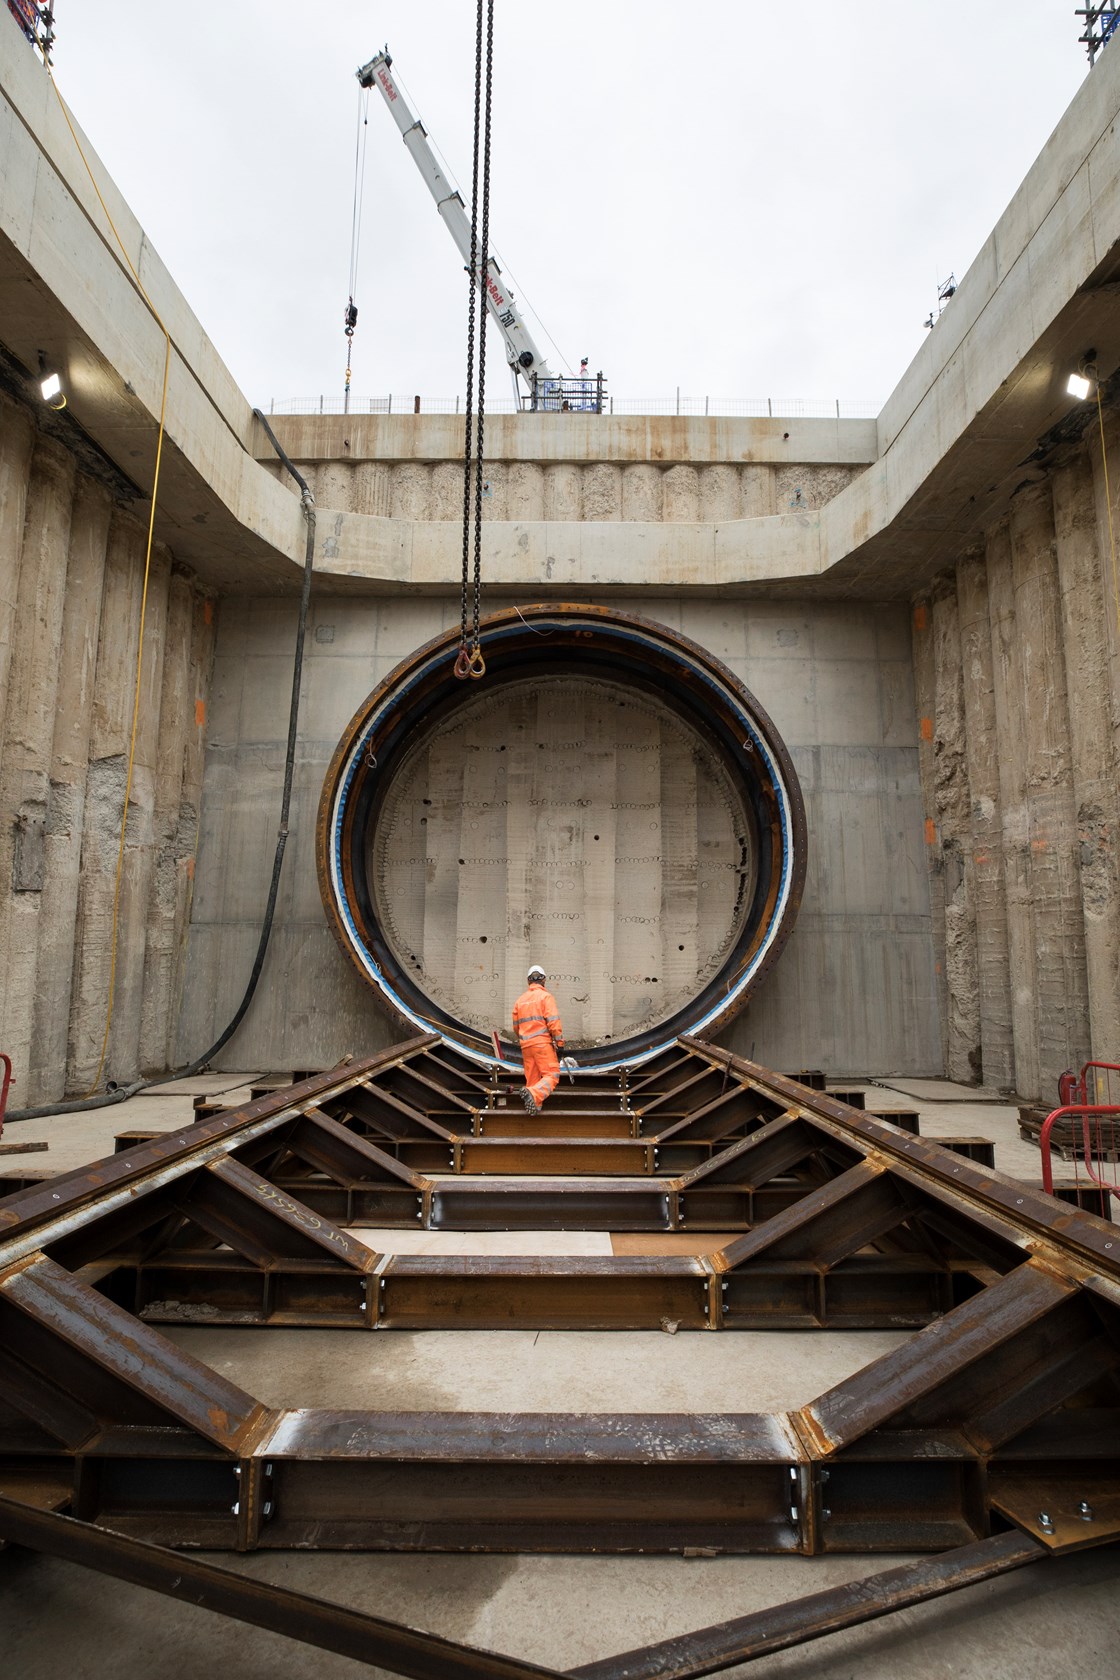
column 56, row 1619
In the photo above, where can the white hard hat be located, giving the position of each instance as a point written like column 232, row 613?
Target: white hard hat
column 535, row 970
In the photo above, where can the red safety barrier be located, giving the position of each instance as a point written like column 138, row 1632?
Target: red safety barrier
column 7, row 1061
column 1094, row 1144
column 1100, row 1089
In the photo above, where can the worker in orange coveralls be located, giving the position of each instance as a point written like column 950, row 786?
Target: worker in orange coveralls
column 541, row 1037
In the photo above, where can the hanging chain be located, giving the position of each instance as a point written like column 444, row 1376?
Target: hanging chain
column 350, row 319
column 469, row 661
column 478, row 664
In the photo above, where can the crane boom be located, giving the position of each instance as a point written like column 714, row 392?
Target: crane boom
column 522, row 353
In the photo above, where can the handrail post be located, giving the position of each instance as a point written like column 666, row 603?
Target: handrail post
column 7, row 1061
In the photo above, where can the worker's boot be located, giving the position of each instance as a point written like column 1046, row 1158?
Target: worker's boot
column 532, row 1106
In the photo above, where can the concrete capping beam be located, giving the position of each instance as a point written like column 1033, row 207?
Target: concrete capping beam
column 89, row 313
column 661, row 440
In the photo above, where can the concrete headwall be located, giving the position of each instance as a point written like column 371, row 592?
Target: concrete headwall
column 1018, row 680
column 856, row 984
column 71, row 580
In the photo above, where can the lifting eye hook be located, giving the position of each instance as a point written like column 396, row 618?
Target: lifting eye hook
column 470, row 662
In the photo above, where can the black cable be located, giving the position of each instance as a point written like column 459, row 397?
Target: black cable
column 122, row 1092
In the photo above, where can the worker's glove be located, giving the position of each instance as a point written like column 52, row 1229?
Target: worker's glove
column 569, row 1062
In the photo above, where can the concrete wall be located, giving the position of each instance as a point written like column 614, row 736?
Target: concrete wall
column 71, row 579
column 1019, row 694
column 972, row 493
column 855, row 988
column 531, row 491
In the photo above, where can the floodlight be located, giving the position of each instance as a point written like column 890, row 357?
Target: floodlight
column 1078, row 386
column 51, row 387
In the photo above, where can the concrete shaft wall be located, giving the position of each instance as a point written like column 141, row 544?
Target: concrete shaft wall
column 855, row 986
column 71, row 580
column 1019, row 700
column 527, row 490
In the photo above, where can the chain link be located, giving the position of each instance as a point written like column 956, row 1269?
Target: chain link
column 478, row 665
column 469, row 661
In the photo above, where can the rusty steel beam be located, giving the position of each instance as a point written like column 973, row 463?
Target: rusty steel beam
column 865, row 1226
column 312, row 1621
column 747, row 1638
column 90, row 1191
column 800, row 1266
column 426, row 1656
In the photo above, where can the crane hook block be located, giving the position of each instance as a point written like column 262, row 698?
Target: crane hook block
column 351, row 318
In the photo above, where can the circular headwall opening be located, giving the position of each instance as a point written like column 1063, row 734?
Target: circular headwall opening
column 609, row 801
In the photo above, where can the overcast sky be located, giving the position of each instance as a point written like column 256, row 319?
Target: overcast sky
column 737, row 197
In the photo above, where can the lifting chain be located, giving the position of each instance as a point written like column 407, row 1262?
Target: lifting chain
column 469, row 661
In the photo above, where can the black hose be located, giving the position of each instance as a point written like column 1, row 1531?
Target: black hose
column 122, row 1092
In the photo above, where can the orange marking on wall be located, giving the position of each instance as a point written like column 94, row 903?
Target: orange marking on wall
column 926, row 727
column 208, row 612
column 981, row 857
column 921, row 617
column 190, row 869
column 1040, row 845
column 200, row 712
column 931, row 832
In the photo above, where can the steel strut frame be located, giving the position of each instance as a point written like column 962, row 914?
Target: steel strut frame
column 401, row 1650
column 996, row 1420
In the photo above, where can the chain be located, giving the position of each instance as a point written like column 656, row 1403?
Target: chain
column 463, row 661
column 469, row 661
column 478, row 665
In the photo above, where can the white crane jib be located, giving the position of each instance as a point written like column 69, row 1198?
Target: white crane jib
column 521, row 352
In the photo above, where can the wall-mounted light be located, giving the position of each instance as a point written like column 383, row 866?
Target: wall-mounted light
column 1080, row 384
column 51, row 385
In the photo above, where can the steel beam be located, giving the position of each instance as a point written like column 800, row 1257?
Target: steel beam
column 313, row 1621
column 713, row 1649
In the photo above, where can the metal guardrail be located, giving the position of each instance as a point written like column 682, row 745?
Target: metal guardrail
column 756, row 408
column 1085, row 1130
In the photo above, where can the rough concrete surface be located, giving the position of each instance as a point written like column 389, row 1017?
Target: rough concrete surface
column 854, row 988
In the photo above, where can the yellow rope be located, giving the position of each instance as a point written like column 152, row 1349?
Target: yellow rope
column 1108, row 505
column 143, row 593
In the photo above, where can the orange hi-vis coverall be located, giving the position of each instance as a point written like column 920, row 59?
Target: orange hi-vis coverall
column 540, row 1035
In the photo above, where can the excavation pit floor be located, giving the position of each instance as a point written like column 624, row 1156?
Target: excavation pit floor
column 57, row 1619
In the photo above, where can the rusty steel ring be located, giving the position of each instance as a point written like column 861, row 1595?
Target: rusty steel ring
column 568, row 640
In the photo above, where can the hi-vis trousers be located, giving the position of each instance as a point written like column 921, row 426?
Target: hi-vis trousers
column 542, row 1066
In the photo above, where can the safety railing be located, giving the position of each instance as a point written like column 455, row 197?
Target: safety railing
column 1098, row 1083
column 1087, row 1135
column 591, row 397
column 5, row 1086
column 586, row 394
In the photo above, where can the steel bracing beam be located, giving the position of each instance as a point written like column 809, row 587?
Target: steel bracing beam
column 313, row 1621
column 425, row 1656
column 746, row 1638
column 1003, row 1408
